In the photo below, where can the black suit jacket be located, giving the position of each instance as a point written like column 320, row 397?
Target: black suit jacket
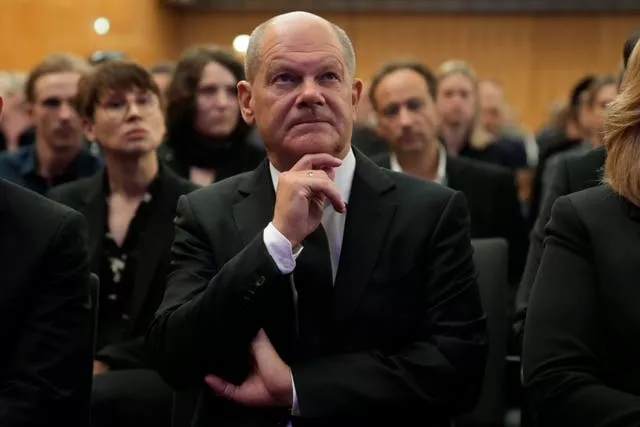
column 493, row 205
column 574, row 174
column 45, row 313
column 409, row 342
column 87, row 197
column 581, row 346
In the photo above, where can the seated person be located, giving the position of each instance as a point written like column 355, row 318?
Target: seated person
column 403, row 98
column 580, row 356
column 45, row 361
column 59, row 153
column 130, row 208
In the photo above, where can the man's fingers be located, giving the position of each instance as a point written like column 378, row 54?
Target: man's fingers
column 329, row 189
column 316, row 161
column 221, row 387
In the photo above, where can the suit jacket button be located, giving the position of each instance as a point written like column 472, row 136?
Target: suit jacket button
column 260, row 281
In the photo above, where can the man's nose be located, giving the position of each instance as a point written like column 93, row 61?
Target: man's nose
column 311, row 94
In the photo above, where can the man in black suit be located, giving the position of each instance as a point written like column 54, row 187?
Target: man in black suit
column 45, row 312
column 347, row 296
column 130, row 208
column 402, row 95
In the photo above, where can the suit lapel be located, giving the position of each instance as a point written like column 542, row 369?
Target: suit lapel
column 156, row 239
column 93, row 208
column 454, row 174
column 372, row 205
column 255, row 210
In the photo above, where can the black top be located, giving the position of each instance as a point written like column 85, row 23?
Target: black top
column 45, row 337
column 581, row 347
column 118, row 267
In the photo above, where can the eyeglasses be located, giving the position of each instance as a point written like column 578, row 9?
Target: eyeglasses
column 119, row 107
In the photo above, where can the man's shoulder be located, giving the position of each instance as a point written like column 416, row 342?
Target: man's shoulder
column 411, row 189
column 71, row 190
column 10, row 161
column 224, row 191
column 477, row 169
column 31, row 209
column 587, row 168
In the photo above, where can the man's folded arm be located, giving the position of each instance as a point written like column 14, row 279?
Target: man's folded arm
column 209, row 314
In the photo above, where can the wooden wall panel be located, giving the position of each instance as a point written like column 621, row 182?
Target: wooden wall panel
column 33, row 28
column 536, row 57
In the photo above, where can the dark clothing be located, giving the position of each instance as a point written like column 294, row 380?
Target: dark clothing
column 45, row 312
column 226, row 158
column 573, row 174
column 133, row 275
column 21, row 167
column 493, row 204
column 405, row 339
column 368, row 141
column 130, row 398
column 151, row 234
column 558, row 146
column 581, row 352
column 26, row 138
column 508, row 153
column 118, row 267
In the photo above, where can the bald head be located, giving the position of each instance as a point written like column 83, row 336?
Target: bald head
column 291, row 22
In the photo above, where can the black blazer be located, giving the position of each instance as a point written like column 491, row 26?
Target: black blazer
column 493, row 204
column 409, row 342
column 45, row 313
column 581, row 346
column 87, row 197
column 574, row 174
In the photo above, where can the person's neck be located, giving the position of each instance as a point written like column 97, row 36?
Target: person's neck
column 53, row 163
column 455, row 138
column 597, row 139
column 131, row 177
column 424, row 164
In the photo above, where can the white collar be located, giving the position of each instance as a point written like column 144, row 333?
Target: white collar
column 343, row 175
column 441, row 172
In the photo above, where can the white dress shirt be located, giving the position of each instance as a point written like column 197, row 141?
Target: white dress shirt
column 333, row 222
column 441, row 172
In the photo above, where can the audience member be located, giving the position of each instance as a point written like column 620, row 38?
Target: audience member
column 207, row 138
column 45, row 373
column 60, row 153
column 580, row 353
column 403, row 97
column 130, row 208
column 352, row 287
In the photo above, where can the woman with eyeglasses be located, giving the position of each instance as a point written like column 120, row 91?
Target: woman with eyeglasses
column 129, row 208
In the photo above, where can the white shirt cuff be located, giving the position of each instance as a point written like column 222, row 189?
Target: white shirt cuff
column 280, row 250
column 295, row 409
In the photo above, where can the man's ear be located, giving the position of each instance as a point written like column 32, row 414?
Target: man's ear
column 1, row 104
column 246, row 101
column 356, row 92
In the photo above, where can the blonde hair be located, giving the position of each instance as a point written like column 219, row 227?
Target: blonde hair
column 622, row 134
column 479, row 137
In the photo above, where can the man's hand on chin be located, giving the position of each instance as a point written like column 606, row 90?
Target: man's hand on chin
column 268, row 385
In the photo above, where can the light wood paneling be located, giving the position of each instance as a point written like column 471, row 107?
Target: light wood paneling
column 31, row 29
column 536, row 57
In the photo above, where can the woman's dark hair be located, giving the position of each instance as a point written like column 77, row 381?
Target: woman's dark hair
column 182, row 91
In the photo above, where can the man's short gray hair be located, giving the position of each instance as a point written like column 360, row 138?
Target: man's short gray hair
column 254, row 50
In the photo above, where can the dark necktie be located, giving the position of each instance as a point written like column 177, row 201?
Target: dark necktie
column 313, row 280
